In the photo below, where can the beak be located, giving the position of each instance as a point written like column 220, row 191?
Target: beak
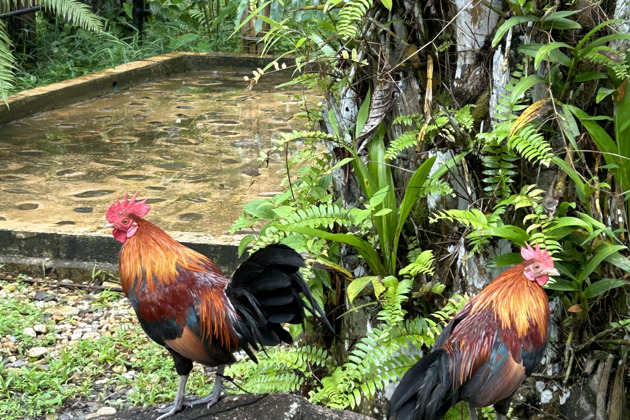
column 108, row 225
column 553, row 272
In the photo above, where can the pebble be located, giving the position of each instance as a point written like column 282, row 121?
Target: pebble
column 40, row 328
column 70, row 315
column 10, row 287
column 106, row 411
column 28, row 331
column 37, row 352
column 63, row 310
column 43, row 295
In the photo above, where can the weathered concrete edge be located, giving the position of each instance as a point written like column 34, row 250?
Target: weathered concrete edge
column 78, row 255
column 57, row 95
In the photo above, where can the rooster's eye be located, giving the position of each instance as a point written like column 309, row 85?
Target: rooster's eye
column 536, row 267
column 125, row 221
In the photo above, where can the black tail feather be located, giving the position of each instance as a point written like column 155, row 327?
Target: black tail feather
column 265, row 291
column 425, row 391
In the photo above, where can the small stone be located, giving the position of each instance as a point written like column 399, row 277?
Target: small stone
column 10, row 287
column 29, row 332
column 119, row 369
column 66, row 281
column 40, row 328
column 90, row 335
column 43, row 295
column 63, row 310
column 37, row 352
column 76, row 336
column 106, row 411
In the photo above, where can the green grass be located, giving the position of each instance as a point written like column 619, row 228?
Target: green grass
column 16, row 315
column 39, row 389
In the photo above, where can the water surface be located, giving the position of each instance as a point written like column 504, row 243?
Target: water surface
column 190, row 144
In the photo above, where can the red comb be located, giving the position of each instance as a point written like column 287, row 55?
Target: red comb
column 529, row 253
column 140, row 208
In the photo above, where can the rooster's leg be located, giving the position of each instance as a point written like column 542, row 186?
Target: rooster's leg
column 472, row 412
column 179, row 400
column 212, row 398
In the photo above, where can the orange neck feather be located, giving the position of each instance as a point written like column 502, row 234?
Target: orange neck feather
column 152, row 255
column 521, row 303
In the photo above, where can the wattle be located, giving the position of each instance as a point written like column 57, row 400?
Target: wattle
column 542, row 280
column 120, row 235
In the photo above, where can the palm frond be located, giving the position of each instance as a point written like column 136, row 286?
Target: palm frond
column 75, row 12
column 7, row 63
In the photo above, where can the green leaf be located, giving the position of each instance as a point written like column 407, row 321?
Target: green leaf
column 594, row 30
column 510, row 258
column 589, row 75
column 604, row 142
column 332, row 118
column 511, row 22
column 387, row 4
column 545, row 52
column 260, row 208
column 577, row 179
column 342, row 162
column 603, row 251
column 512, row 233
column 379, row 196
column 378, row 287
column 382, row 212
column 561, row 285
column 357, row 285
column 600, row 287
column 364, row 248
column 555, row 56
column 560, row 23
column 362, row 116
column 620, row 261
column 523, row 86
column 414, row 189
column 284, row 211
column 602, row 93
column 247, row 239
column 560, row 14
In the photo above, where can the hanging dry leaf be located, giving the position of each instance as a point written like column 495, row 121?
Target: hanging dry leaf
column 536, row 110
column 575, row 308
column 380, row 105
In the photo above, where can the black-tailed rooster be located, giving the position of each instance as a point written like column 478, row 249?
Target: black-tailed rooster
column 187, row 305
column 484, row 354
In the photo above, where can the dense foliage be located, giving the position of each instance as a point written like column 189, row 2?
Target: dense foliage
column 545, row 163
column 404, row 177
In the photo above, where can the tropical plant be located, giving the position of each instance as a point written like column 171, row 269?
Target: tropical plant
column 76, row 12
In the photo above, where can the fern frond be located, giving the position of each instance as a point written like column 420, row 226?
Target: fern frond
column 423, row 264
column 317, row 216
column 409, row 120
column 280, row 369
column 351, row 16
column 474, row 218
column 406, row 140
column 7, row 62
column 531, row 145
column 74, row 11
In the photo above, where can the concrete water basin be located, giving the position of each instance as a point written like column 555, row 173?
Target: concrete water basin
column 187, row 136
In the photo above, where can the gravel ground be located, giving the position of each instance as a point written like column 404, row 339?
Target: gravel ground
column 70, row 314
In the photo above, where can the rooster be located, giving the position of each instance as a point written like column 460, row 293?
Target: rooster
column 484, row 354
column 185, row 303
